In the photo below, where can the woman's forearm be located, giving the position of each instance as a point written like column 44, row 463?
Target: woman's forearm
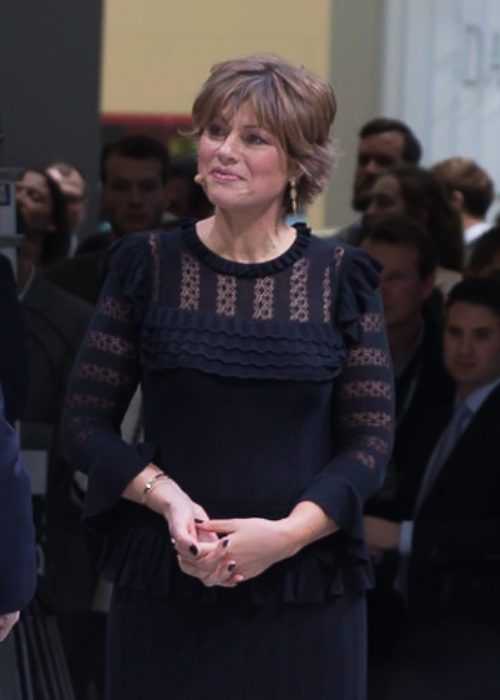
column 307, row 523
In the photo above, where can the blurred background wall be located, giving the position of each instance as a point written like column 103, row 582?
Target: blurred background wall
column 50, row 66
column 432, row 63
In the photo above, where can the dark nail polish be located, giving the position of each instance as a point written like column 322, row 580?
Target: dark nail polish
column 231, row 567
column 193, row 550
column 197, row 520
column 225, row 543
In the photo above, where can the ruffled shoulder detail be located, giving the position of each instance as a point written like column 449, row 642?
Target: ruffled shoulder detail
column 142, row 559
column 240, row 348
column 359, row 279
column 132, row 263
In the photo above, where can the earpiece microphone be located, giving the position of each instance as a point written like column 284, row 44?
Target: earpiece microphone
column 199, row 179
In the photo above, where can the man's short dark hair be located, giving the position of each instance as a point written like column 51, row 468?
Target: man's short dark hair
column 405, row 232
column 485, row 249
column 481, row 291
column 412, row 151
column 466, row 176
column 136, row 146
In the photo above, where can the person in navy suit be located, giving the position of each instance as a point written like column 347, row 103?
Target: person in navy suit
column 13, row 354
column 17, row 534
column 444, row 521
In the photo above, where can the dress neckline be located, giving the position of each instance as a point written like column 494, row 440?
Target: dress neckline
column 240, row 269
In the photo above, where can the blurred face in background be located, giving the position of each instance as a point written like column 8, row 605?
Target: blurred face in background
column 133, row 195
column 403, row 289
column 375, row 154
column 472, row 346
column 72, row 186
column 35, row 204
column 384, row 200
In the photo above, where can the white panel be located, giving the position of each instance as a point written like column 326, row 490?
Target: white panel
column 442, row 76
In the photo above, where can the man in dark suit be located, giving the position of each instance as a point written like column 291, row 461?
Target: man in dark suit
column 445, row 519
column 13, row 356
column 17, row 535
column 409, row 257
column 134, row 174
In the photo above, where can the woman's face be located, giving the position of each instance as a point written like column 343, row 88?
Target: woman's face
column 385, row 200
column 243, row 164
column 35, row 202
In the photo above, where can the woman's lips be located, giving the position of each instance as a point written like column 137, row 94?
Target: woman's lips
column 224, row 175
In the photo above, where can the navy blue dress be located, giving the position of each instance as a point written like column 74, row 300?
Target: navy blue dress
column 263, row 385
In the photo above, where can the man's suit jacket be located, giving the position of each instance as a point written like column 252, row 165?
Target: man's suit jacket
column 81, row 276
column 55, row 324
column 456, row 537
column 17, row 535
column 13, row 357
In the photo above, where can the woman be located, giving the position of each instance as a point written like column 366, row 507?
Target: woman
column 43, row 222
column 267, row 412
column 407, row 190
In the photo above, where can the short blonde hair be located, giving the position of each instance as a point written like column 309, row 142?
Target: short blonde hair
column 295, row 105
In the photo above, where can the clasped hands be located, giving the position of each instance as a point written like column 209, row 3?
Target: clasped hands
column 227, row 552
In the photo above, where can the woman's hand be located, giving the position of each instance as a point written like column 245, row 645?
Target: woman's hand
column 7, row 622
column 253, row 545
column 200, row 553
column 182, row 515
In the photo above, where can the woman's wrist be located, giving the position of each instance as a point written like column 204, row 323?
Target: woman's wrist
column 305, row 524
column 163, row 497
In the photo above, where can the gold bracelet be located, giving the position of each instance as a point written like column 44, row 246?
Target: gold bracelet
column 151, row 483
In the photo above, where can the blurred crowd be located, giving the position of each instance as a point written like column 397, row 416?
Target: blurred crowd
column 435, row 540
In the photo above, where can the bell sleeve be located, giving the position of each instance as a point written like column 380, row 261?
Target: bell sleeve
column 105, row 377
column 363, row 402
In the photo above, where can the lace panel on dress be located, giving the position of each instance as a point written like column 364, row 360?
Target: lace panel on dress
column 190, row 283
column 367, row 419
column 368, row 388
column 372, row 323
column 365, row 458
column 154, row 246
column 226, row 295
column 85, row 400
column 327, row 296
column 368, row 356
column 113, row 308
column 112, row 344
column 338, row 255
column 101, row 373
column 263, row 301
column 376, row 443
column 82, row 428
column 299, row 301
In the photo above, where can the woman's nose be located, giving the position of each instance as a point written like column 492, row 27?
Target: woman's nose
column 229, row 147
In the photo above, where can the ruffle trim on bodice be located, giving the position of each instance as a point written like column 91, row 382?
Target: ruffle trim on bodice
column 248, row 270
column 143, row 559
column 233, row 347
column 361, row 279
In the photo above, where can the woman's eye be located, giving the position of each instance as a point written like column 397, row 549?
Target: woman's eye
column 256, row 139
column 215, row 130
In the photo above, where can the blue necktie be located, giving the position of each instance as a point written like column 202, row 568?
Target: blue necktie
column 446, row 443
